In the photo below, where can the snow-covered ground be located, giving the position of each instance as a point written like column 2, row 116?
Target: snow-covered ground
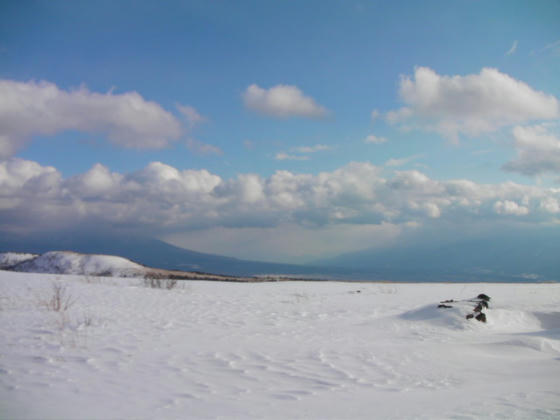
column 275, row 350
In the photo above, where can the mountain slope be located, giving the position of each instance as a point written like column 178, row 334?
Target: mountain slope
column 512, row 256
column 74, row 263
column 150, row 252
column 67, row 262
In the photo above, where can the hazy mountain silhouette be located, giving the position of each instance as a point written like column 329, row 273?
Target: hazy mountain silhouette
column 516, row 255
column 511, row 256
column 150, row 252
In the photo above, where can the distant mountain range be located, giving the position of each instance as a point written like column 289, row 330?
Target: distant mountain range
column 91, row 265
column 516, row 256
column 152, row 253
column 510, row 256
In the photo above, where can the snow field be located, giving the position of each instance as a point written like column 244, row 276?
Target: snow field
column 276, row 350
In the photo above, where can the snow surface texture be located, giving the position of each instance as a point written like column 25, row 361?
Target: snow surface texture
column 282, row 350
column 67, row 262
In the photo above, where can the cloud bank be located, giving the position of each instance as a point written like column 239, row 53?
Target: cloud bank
column 161, row 198
column 41, row 108
column 282, row 101
column 469, row 105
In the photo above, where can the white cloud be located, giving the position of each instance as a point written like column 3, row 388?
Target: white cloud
column 469, row 105
column 286, row 156
column 402, row 161
column 301, row 151
column 538, row 151
column 312, row 149
column 375, row 139
column 15, row 173
column 96, row 182
column 41, row 108
column 203, row 148
column 161, row 198
column 553, row 47
column 194, row 118
column 550, row 205
column 282, row 101
column 513, row 48
column 191, row 114
column 510, row 208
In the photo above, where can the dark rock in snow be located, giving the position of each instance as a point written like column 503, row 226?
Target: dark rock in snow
column 481, row 302
column 481, row 317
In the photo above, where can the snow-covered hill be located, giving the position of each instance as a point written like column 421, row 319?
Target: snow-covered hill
column 74, row 263
column 66, row 262
column 10, row 259
column 289, row 350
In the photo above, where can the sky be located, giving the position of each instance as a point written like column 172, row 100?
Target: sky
column 280, row 131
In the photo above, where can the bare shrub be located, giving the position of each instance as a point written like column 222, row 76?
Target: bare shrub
column 300, row 297
column 170, row 284
column 89, row 279
column 87, row 320
column 159, row 283
column 60, row 300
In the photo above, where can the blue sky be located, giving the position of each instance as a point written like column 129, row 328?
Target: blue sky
column 261, row 114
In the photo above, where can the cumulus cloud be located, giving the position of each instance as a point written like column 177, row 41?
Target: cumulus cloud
column 538, row 151
column 282, row 101
column 97, row 182
column 163, row 198
column 510, row 207
column 42, row 108
column 375, row 139
column 469, row 105
column 550, row 205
